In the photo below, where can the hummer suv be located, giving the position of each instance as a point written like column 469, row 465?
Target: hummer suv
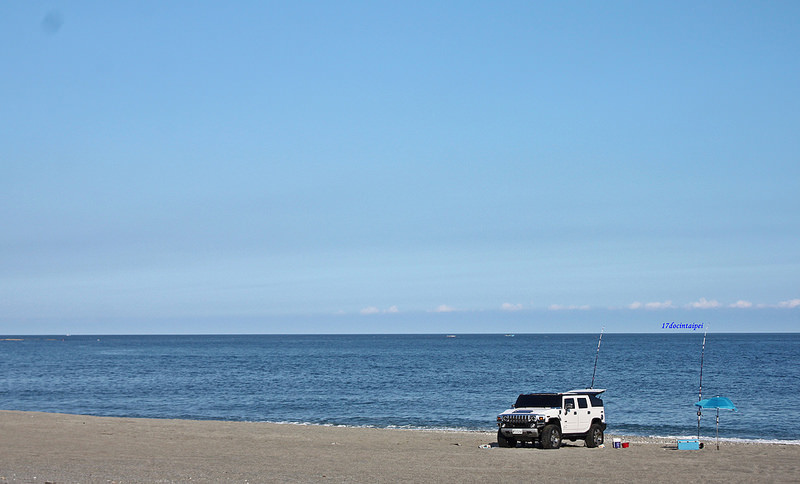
column 550, row 417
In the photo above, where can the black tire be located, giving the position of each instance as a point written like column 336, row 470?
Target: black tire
column 504, row 441
column 551, row 437
column 595, row 436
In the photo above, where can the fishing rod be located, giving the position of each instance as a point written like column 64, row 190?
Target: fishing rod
column 596, row 355
column 700, row 392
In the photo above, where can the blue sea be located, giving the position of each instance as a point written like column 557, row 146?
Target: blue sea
column 458, row 382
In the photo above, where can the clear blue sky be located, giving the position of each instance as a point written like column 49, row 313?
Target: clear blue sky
column 280, row 167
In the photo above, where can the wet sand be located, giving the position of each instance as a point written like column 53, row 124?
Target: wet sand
column 45, row 447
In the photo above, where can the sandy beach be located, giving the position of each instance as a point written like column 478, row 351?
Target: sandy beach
column 44, row 447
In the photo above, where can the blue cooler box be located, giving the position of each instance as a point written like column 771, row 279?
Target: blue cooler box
column 688, row 444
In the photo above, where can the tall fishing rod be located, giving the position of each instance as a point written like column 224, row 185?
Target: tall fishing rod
column 596, row 355
column 700, row 392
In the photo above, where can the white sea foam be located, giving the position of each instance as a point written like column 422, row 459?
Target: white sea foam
column 710, row 439
column 704, row 438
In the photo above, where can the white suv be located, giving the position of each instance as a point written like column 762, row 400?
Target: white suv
column 549, row 417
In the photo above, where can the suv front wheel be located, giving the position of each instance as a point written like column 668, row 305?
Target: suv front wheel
column 504, row 441
column 551, row 437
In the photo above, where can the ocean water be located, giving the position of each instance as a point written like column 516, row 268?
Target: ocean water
column 410, row 381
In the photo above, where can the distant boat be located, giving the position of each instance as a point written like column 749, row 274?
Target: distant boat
column 509, row 335
column 450, row 336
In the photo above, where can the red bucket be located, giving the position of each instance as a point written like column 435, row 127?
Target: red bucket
column 625, row 445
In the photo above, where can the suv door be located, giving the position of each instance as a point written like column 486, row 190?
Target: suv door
column 570, row 420
column 584, row 414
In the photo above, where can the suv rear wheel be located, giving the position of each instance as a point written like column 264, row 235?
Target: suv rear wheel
column 595, row 436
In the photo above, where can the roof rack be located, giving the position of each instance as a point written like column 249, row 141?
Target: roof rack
column 585, row 391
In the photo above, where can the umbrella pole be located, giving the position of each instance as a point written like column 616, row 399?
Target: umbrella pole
column 717, row 428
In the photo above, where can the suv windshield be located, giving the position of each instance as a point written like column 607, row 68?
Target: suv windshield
column 538, row 400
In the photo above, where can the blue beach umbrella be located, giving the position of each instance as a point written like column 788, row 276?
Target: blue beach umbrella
column 717, row 403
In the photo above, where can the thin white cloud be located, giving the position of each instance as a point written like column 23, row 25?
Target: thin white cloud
column 791, row 304
column 444, row 308
column 559, row 307
column 741, row 304
column 510, row 307
column 651, row 305
column 376, row 310
column 704, row 303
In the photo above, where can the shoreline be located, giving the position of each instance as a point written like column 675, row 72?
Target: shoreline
column 642, row 439
column 51, row 447
column 609, row 435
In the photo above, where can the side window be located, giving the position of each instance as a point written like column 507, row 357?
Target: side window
column 582, row 403
column 569, row 403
